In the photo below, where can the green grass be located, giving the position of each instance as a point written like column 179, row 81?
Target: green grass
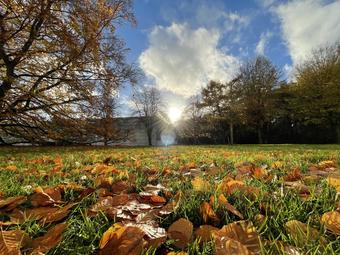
column 83, row 234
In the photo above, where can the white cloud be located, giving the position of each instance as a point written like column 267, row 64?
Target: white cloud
column 288, row 72
column 264, row 38
column 182, row 60
column 308, row 24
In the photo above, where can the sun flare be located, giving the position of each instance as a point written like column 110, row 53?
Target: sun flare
column 174, row 114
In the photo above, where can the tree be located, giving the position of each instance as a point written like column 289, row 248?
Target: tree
column 221, row 102
column 53, row 54
column 149, row 107
column 317, row 89
column 256, row 81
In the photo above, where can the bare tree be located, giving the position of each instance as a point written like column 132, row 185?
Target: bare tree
column 149, row 107
column 53, row 53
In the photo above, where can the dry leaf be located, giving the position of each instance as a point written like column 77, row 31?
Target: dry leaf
column 240, row 231
column 10, row 203
column 293, row 175
column 225, row 246
column 302, row 234
column 332, row 221
column 334, row 180
column 120, row 240
column 222, row 200
column 11, row 242
column 49, row 240
column 208, row 214
column 46, row 197
column 200, row 184
column 205, row 232
column 181, row 231
column 11, row 168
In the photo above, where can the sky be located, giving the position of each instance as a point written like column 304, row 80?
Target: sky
column 180, row 45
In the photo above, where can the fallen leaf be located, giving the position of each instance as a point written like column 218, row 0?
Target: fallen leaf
column 121, row 240
column 49, row 240
column 242, row 232
column 208, row 214
column 222, row 200
column 293, row 175
column 200, row 184
column 11, row 168
column 46, row 197
column 11, row 241
column 181, row 231
column 10, row 203
column 332, row 221
column 225, row 246
column 205, row 232
column 334, row 180
column 302, row 233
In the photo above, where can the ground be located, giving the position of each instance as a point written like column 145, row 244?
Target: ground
column 65, row 199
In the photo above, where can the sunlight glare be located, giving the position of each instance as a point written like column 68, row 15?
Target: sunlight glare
column 174, row 114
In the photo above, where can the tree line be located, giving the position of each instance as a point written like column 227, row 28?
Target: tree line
column 256, row 106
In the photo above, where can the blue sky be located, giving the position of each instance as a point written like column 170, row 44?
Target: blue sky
column 182, row 44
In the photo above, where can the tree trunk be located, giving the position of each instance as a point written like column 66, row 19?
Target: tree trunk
column 149, row 133
column 337, row 133
column 231, row 130
column 259, row 135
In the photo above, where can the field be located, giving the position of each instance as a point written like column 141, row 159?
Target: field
column 270, row 199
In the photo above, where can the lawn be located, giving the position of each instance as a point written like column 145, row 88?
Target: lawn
column 246, row 199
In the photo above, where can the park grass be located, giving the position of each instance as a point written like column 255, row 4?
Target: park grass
column 83, row 234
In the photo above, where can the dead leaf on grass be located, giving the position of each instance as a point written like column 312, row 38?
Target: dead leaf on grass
column 181, row 231
column 49, row 240
column 46, row 197
column 11, row 242
column 205, row 232
column 242, row 232
column 302, row 233
column 121, row 240
column 222, row 200
column 200, row 184
column 10, row 203
column 208, row 214
column 332, row 221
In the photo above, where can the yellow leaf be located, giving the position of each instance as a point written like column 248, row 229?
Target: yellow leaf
column 334, row 180
column 200, row 185
column 332, row 221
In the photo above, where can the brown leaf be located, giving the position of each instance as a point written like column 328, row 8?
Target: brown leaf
column 43, row 214
column 230, row 246
column 205, row 232
column 46, row 197
column 10, row 203
column 302, row 234
column 243, row 232
column 11, row 242
column 293, row 175
column 208, row 214
column 332, row 221
column 181, row 231
column 49, row 240
column 229, row 185
column 120, row 240
column 334, row 180
column 222, row 200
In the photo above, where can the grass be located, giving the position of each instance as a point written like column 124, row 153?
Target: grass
column 83, row 234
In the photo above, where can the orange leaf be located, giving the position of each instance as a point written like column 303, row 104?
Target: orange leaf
column 293, row 175
column 122, row 240
column 223, row 201
column 208, row 214
column 11, row 241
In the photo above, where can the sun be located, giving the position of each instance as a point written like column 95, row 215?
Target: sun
column 174, row 114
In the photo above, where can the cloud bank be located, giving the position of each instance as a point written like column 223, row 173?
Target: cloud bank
column 181, row 60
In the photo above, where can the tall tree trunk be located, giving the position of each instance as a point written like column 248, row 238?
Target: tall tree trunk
column 337, row 133
column 231, row 130
column 259, row 135
column 149, row 133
